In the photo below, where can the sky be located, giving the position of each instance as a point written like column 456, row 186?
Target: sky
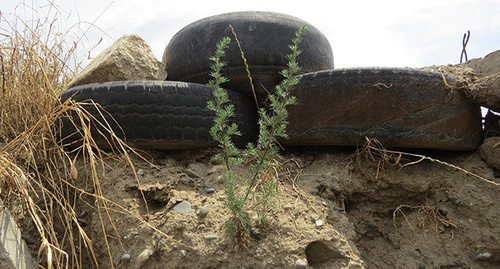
column 391, row 33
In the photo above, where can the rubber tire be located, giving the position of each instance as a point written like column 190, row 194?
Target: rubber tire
column 265, row 38
column 163, row 115
column 400, row 107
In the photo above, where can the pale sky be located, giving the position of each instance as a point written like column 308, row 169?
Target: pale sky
column 394, row 33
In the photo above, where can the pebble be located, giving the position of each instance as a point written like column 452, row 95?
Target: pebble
column 204, row 211
column 211, row 237
column 199, row 168
column 183, row 207
column 209, row 190
column 216, row 169
column 328, row 175
column 143, row 257
column 140, row 172
column 183, row 253
column 319, row 223
column 126, row 257
column 192, row 173
column 481, row 256
column 301, row 264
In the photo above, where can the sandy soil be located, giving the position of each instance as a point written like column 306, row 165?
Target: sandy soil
column 334, row 212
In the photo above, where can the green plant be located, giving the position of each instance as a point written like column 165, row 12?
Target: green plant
column 261, row 188
column 240, row 224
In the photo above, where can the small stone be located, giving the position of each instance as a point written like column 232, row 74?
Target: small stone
column 183, row 253
column 216, row 169
column 209, row 190
column 204, row 211
column 140, row 172
column 199, row 168
column 143, row 257
column 319, row 223
column 211, row 237
column 481, row 256
column 328, row 175
column 183, row 207
column 126, row 257
column 192, row 174
column 301, row 264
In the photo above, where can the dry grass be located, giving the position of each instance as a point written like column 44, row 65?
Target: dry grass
column 35, row 169
column 425, row 216
column 373, row 151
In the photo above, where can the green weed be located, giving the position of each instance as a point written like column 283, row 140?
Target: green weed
column 273, row 121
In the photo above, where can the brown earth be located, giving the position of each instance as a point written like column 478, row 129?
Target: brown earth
column 426, row 215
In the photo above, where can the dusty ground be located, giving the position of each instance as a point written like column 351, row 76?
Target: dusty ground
column 426, row 215
column 336, row 210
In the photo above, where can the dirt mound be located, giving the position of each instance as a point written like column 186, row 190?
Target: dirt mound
column 337, row 211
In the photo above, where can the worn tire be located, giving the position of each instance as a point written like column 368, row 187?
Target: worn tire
column 400, row 107
column 265, row 38
column 160, row 115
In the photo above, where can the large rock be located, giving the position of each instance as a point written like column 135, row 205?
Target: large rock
column 486, row 66
column 129, row 58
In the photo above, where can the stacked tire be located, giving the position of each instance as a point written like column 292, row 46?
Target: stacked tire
column 399, row 107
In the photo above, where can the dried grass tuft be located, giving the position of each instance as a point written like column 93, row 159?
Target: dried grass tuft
column 35, row 168
column 375, row 152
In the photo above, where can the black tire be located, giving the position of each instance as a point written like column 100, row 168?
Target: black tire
column 265, row 38
column 400, row 107
column 162, row 115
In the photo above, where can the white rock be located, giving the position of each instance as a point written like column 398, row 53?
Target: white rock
column 129, row 58
column 301, row 264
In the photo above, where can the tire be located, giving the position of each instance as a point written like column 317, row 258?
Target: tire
column 404, row 108
column 265, row 38
column 163, row 115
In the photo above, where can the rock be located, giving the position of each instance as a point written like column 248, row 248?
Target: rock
column 319, row 223
column 183, row 207
column 481, row 256
column 486, row 66
column 301, row 264
column 143, row 257
column 217, row 169
column 209, row 190
column 125, row 257
column 204, row 211
column 198, row 168
column 211, row 237
column 183, row 253
column 191, row 173
column 489, row 154
column 129, row 58
column 140, row 172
